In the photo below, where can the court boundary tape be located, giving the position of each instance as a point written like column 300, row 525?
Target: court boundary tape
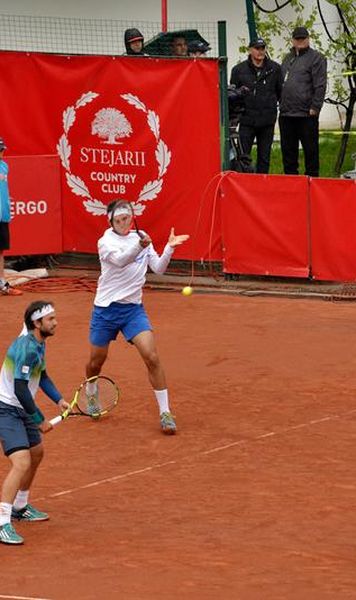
column 22, row 597
column 157, row 466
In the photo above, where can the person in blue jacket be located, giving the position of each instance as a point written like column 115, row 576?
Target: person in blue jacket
column 5, row 217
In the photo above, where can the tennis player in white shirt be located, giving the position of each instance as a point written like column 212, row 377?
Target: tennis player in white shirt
column 125, row 256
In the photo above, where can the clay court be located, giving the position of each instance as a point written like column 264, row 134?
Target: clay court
column 254, row 499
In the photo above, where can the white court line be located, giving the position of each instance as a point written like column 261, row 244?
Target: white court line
column 23, row 598
column 108, row 480
column 202, row 453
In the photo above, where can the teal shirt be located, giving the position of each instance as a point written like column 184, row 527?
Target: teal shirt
column 25, row 359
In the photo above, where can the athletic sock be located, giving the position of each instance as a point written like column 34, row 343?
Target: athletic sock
column 162, row 399
column 91, row 388
column 5, row 513
column 21, row 499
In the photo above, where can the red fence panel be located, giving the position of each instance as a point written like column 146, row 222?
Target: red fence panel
column 265, row 224
column 333, row 229
column 140, row 129
column 36, row 225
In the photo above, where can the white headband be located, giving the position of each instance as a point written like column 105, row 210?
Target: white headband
column 47, row 309
column 120, row 210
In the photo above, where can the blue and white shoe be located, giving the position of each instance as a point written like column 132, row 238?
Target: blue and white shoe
column 8, row 535
column 29, row 513
column 93, row 406
column 168, row 424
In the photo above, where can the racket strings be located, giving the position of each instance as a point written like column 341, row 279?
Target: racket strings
column 97, row 397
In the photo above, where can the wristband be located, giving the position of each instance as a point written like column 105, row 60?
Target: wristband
column 37, row 417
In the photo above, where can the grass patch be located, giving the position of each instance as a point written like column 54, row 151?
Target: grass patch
column 329, row 145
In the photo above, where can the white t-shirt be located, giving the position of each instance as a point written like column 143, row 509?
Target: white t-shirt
column 124, row 266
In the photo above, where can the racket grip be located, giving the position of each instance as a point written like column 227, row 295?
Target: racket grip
column 139, row 233
column 56, row 420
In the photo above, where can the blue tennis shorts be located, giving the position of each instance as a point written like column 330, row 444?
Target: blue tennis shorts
column 108, row 321
column 17, row 430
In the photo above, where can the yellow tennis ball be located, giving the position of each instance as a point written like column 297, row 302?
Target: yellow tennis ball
column 187, row 291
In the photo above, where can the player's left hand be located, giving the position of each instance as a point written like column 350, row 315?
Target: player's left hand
column 63, row 405
column 176, row 240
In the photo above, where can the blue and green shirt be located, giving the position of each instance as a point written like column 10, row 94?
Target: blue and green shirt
column 25, row 359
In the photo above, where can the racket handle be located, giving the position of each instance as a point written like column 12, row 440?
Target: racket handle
column 56, row 420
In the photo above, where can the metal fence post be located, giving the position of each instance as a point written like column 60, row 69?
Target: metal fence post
column 224, row 109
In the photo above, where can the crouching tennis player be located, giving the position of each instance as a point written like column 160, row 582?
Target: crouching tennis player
column 21, row 421
column 125, row 256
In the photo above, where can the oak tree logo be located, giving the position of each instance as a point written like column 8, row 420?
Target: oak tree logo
column 109, row 124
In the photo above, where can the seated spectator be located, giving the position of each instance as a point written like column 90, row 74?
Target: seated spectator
column 134, row 42
column 179, row 46
column 198, row 49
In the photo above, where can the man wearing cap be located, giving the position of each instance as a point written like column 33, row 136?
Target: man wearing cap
column 5, row 217
column 198, row 49
column 304, row 86
column 261, row 80
column 134, row 42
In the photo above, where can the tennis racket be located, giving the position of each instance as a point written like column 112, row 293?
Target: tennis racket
column 94, row 398
column 139, row 233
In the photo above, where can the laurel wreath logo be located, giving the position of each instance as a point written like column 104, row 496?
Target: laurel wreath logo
column 150, row 190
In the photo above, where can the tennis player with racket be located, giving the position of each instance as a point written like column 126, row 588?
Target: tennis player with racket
column 21, row 421
column 125, row 256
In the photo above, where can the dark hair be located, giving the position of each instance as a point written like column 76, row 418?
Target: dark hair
column 37, row 305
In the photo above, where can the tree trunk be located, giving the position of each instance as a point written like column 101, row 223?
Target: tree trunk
column 345, row 136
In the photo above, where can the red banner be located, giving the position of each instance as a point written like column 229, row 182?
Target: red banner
column 333, row 226
column 36, row 211
column 265, row 224
column 141, row 129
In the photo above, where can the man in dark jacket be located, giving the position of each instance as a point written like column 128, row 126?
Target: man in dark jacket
column 134, row 42
column 261, row 80
column 303, row 93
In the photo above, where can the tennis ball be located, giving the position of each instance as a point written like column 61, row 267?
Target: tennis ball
column 187, row 291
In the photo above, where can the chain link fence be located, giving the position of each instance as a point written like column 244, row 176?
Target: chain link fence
column 62, row 35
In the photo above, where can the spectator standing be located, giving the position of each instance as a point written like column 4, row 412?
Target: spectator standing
column 134, row 42
column 179, row 46
column 5, row 217
column 260, row 79
column 198, row 49
column 304, row 86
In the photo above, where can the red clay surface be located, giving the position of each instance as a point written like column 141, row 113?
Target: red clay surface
column 253, row 500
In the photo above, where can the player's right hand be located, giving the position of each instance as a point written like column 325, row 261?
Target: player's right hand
column 145, row 241
column 45, row 426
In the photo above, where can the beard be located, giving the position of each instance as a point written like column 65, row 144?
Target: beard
column 45, row 333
